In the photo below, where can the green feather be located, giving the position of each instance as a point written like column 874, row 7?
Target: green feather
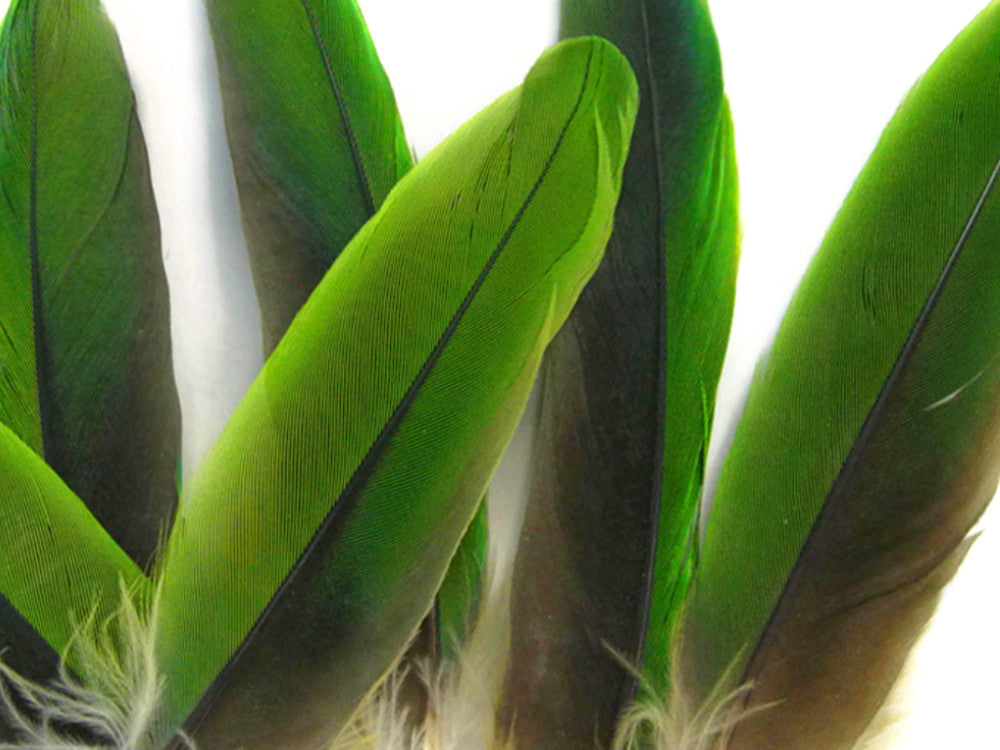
column 869, row 443
column 628, row 395
column 57, row 565
column 314, row 134
column 85, row 371
column 359, row 456
column 461, row 592
column 317, row 143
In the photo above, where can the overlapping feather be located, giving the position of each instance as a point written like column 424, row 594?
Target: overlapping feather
column 88, row 410
column 317, row 143
column 85, row 372
column 627, row 397
column 340, row 489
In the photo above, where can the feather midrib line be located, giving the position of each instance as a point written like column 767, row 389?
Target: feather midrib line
column 38, row 322
column 338, row 96
column 355, row 485
column 656, row 492
column 769, row 632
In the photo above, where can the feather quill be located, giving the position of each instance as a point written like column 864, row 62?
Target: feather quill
column 870, row 442
column 340, row 489
column 627, row 396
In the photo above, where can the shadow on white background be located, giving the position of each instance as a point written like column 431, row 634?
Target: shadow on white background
column 811, row 87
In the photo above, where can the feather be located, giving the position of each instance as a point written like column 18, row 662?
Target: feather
column 314, row 134
column 85, row 376
column 458, row 601
column 317, row 143
column 869, row 443
column 314, row 538
column 57, row 565
column 85, row 370
column 627, row 395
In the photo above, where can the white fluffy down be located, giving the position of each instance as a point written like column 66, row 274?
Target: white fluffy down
column 462, row 696
column 113, row 695
column 115, row 689
column 678, row 724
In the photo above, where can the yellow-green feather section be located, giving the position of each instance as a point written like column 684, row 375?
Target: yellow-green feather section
column 359, row 456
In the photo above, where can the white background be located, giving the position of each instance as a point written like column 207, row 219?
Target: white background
column 811, row 86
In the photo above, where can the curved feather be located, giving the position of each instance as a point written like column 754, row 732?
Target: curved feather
column 57, row 565
column 313, row 541
column 317, row 143
column 314, row 134
column 870, row 440
column 628, row 393
column 85, row 369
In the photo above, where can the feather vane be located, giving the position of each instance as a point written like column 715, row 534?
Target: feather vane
column 627, row 396
column 869, row 443
column 340, row 489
